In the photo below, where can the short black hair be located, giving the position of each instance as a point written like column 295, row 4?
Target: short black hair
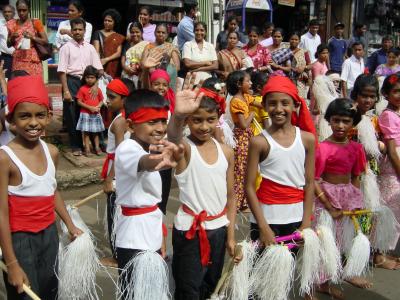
column 342, row 107
column 144, row 98
column 211, row 82
column 389, row 83
column 189, row 5
column 254, row 29
column 313, row 22
column 362, row 81
column 137, row 25
column 114, row 14
column 210, row 105
column 77, row 21
column 358, row 26
column 258, row 79
column 200, row 23
column 357, row 44
column 234, row 79
column 231, row 18
column 387, row 38
column 320, row 48
column 90, row 71
column 129, row 84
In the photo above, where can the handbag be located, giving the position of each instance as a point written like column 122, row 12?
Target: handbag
column 44, row 51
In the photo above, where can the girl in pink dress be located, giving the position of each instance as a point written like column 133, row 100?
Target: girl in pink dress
column 389, row 123
column 320, row 67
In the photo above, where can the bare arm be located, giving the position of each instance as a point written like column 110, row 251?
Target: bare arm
column 66, row 93
column 116, row 55
column 83, row 105
column 3, row 82
column 176, row 60
column 41, row 38
column 393, row 156
column 355, row 180
column 190, row 64
column 208, row 68
column 344, row 88
column 165, row 159
column 245, row 122
column 96, row 45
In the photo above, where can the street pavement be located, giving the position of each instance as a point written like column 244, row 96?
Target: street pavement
column 385, row 282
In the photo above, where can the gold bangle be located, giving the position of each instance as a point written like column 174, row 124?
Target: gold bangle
column 11, row 263
column 320, row 194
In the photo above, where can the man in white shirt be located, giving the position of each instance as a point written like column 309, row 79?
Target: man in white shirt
column 311, row 40
column 352, row 68
column 6, row 52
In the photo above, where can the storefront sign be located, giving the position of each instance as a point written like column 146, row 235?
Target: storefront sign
column 254, row 4
column 291, row 3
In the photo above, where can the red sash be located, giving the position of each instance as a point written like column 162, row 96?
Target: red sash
column 31, row 214
column 104, row 171
column 271, row 192
column 198, row 225
column 136, row 211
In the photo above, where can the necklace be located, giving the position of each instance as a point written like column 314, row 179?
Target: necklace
column 336, row 142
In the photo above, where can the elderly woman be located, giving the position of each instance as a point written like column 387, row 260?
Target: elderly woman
column 232, row 58
column 199, row 55
column 23, row 34
column 259, row 54
column 171, row 60
column 108, row 43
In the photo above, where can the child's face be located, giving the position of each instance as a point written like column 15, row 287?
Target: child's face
column 392, row 59
column 160, row 86
column 114, row 101
column 366, row 99
column 30, row 120
column 341, row 126
column 394, row 96
column 149, row 133
column 246, row 84
column 358, row 51
column 280, row 107
column 90, row 80
column 202, row 124
column 324, row 55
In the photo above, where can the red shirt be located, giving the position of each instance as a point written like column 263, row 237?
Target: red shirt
column 84, row 96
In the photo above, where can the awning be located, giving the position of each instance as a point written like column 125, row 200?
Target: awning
column 252, row 4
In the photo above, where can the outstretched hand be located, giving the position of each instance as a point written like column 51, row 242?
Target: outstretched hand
column 153, row 59
column 188, row 99
column 169, row 154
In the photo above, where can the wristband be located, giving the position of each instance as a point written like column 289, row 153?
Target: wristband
column 320, row 194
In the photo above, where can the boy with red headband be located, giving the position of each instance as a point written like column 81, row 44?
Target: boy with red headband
column 117, row 91
column 138, row 185
column 204, row 224
column 284, row 155
column 29, row 196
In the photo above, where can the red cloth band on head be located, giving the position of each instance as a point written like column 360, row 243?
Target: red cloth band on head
column 159, row 73
column 26, row 89
column 146, row 114
column 214, row 95
column 281, row 84
column 118, row 87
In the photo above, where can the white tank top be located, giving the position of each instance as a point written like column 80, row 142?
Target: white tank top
column 111, row 137
column 203, row 187
column 285, row 165
column 33, row 185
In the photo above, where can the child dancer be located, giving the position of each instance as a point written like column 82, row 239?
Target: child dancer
column 138, row 185
column 29, row 196
column 389, row 123
column 205, row 179
column 117, row 91
column 338, row 166
column 239, row 85
column 90, row 121
column 285, row 155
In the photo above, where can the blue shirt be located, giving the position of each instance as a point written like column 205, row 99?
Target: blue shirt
column 337, row 50
column 185, row 31
column 377, row 58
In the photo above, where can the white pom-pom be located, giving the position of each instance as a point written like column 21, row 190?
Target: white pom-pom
column 348, row 234
column 325, row 219
column 229, row 137
column 272, row 275
column 367, row 136
column 385, row 229
column 370, row 190
column 330, row 254
column 324, row 129
column 148, row 278
column 310, row 261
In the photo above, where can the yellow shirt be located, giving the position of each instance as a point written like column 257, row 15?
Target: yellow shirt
column 259, row 116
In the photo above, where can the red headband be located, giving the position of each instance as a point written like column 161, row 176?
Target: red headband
column 281, row 84
column 146, row 114
column 118, row 87
column 216, row 97
column 159, row 73
column 26, row 89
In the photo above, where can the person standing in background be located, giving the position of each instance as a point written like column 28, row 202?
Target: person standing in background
column 311, row 40
column 360, row 30
column 185, row 31
column 145, row 15
column 379, row 57
column 230, row 25
column 6, row 52
column 267, row 34
column 64, row 34
column 337, row 46
column 352, row 68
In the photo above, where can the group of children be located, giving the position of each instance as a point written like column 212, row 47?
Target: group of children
column 275, row 140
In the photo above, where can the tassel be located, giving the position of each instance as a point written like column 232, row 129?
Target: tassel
column 325, row 219
column 367, row 137
column 229, row 137
column 238, row 283
column 358, row 256
column 148, row 280
column 324, row 129
column 380, row 106
column 117, row 215
column 310, row 261
column 370, row 190
column 385, row 229
column 272, row 275
column 330, row 254
column 79, row 263
column 347, row 235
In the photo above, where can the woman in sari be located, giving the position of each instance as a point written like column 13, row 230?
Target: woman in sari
column 280, row 54
column 108, row 43
column 232, row 58
column 171, row 59
column 22, row 35
column 300, row 73
column 132, row 53
column 258, row 54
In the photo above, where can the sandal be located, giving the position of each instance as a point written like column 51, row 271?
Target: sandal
column 98, row 152
column 77, row 153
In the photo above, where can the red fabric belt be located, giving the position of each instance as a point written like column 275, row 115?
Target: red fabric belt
column 104, row 171
column 271, row 192
column 31, row 214
column 136, row 211
column 198, row 225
